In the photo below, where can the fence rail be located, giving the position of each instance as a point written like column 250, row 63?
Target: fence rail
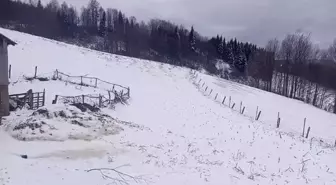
column 116, row 93
column 94, row 82
column 96, row 100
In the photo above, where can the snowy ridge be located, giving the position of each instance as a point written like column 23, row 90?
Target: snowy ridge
column 170, row 133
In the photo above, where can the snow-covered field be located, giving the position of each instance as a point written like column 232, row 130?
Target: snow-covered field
column 169, row 133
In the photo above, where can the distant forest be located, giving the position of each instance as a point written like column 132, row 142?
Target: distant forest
column 293, row 67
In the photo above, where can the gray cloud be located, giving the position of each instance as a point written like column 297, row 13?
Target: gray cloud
column 249, row 20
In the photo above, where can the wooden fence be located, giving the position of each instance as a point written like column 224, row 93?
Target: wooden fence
column 94, row 82
column 230, row 104
column 96, row 100
column 34, row 100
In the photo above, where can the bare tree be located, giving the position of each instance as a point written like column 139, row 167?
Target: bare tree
column 303, row 52
column 286, row 54
column 332, row 51
column 272, row 48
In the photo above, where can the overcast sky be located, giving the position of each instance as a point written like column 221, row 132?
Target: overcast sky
column 249, row 20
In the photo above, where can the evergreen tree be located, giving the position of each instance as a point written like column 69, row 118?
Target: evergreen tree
column 173, row 42
column 102, row 24
column 225, row 55
column 93, row 12
column 231, row 54
column 5, row 9
column 220, row 46
column 192, row 40
column 240, row 60
column 39, row 4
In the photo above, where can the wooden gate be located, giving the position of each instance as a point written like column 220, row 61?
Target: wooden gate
column 38, row 100
column 33, row 100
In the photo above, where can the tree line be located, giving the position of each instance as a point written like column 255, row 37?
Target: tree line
column 293, row 67
column 110, row 30
column 298, row 69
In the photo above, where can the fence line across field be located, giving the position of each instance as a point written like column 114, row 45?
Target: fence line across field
column 93, row 82
column 96, row 100
column 242, row 108
column 88, row 77
column 82, row 80
column 116, row 93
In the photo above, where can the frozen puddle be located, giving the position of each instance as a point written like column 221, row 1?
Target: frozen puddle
column 75, row 154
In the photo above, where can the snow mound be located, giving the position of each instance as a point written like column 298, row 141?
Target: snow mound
column 76, row 122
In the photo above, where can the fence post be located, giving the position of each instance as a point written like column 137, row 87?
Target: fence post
column 10, row 71
column 57, row 74
column 35, row 72
column 199, row 81
column 96, row 82
column 43, row 103
column 308, row 132
column 233, row 105
column 203, row 84
column 240, row 107
column 128, row 90
column 55, row 100
column 210, row 92
column 38, row 100
column 304, row 127
column 256, row 113
column 216, row 96
column 243, row 110
column 83, row 98
column 224, row 100
column 31, row 99
column 278, row 120
column 206, row 88
column 100, row 101
column 81, row 80
column 230, row 102
column 121, row 95
column 109, row 94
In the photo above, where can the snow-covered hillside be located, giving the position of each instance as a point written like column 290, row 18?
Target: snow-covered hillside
column 169, row 133
column 292, row 112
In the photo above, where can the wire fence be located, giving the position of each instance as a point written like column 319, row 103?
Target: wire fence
column 78, row 80
column 93, row 82
column 226, row 101
column 115, row 93
column 95, row 100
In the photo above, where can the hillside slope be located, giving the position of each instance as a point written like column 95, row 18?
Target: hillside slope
column 170, row 132
column 292, row 112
